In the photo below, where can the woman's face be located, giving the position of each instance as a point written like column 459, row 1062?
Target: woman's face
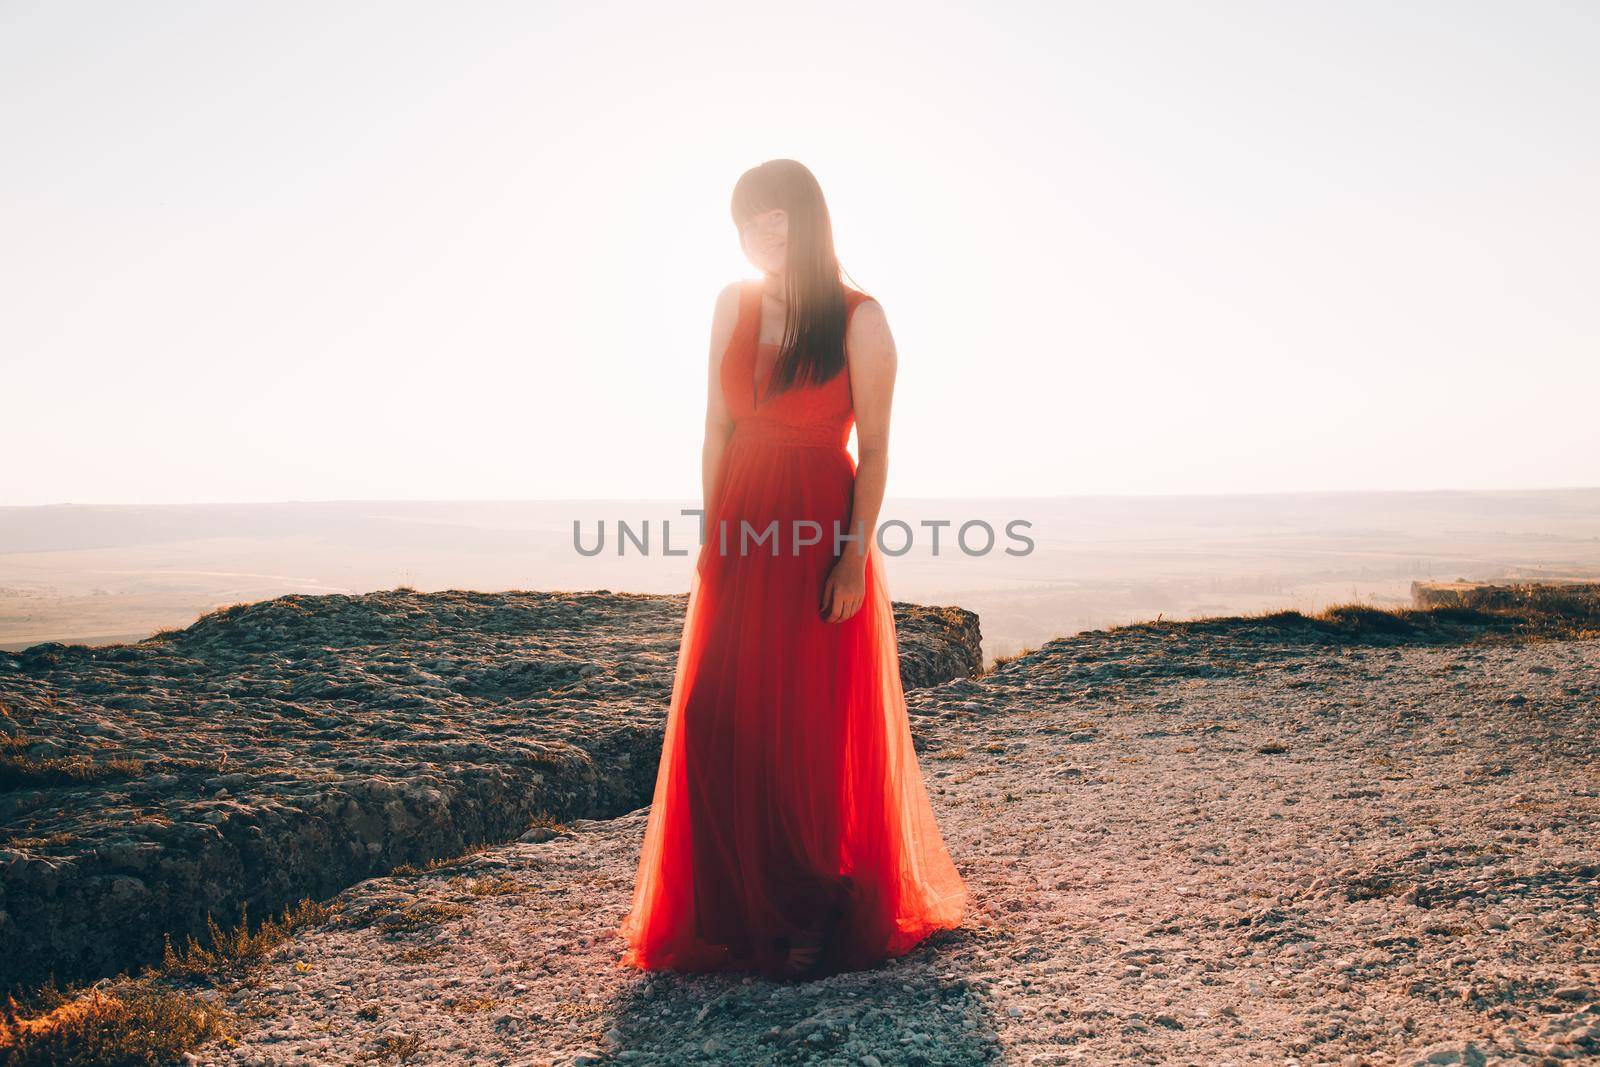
column 765, row 240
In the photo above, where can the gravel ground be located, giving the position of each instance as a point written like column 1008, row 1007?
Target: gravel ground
column 1215, row 847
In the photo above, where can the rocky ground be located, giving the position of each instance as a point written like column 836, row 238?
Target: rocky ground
column 1247, row 842
column 296, row 746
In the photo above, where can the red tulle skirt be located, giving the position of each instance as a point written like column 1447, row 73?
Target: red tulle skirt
column 789, row 795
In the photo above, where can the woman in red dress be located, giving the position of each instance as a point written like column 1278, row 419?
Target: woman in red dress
column 790, row 833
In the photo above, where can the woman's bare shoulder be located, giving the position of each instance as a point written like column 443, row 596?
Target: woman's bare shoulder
column 727, row 310
column 868, row 326
column 724, row 319
column 860, row 305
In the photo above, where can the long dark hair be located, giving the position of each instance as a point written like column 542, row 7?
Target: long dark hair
column 813, row 334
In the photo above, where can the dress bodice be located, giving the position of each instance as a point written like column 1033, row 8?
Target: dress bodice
column 801, row 415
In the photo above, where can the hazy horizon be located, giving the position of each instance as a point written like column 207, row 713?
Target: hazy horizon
column 889, row 498
column 105, row 573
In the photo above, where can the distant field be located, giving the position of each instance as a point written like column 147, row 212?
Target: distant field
column 97, row 574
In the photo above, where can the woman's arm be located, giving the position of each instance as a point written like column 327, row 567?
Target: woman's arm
column 870, row 352
column 719, row 424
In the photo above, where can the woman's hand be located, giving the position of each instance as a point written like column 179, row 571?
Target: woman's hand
column 845, row 588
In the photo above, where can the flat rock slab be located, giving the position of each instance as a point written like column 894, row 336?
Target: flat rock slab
column 1222, row 847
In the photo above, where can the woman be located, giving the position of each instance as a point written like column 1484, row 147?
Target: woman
column 790, row 832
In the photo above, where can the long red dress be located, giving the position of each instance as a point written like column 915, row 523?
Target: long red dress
column 789, row 796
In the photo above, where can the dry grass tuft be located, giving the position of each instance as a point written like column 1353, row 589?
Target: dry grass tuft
column 1542, row 619
column 27, row 772
column 129, row 1022
column 437, row 864
column 420, row 917
column 239, row 948
column 399, row 1049
column 1001, row 661
column 495, row 887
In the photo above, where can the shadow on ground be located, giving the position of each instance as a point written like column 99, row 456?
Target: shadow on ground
column 912, row 1011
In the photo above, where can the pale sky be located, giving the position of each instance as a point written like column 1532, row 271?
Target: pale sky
column 256, row 252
